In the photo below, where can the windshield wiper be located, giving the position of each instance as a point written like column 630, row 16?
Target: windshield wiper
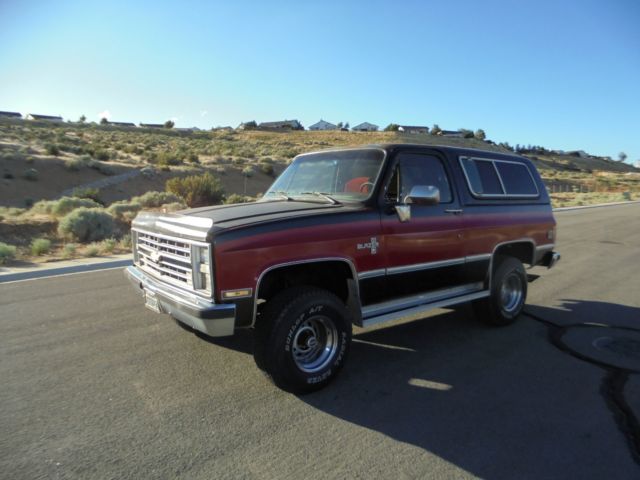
column 326, row 196
column 283, row 195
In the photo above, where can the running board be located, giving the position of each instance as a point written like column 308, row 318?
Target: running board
column 383, row 316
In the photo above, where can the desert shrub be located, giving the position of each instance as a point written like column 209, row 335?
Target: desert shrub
column 101, row 155
column 30, row 174
column 40, row 246
column 8, row 176
column 267, row 169
column 235, row 198
column 63, row 206
column 173, row 206
column 69, row 250
column 193, row 158
column 166, row 158
column 74, row 164
column 108, row 245
column 148, row 172
column 125, row 241
column 7, row 253
column 155, row 199
column 52, row 149
column 86, row 225
column 124, row 210
column 197, row 190
column 92, row 250
column 85, row 192
column 101, row 167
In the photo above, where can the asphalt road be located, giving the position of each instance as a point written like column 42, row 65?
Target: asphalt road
column 94, row 386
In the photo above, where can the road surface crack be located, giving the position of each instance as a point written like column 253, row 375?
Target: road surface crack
column 611, row 388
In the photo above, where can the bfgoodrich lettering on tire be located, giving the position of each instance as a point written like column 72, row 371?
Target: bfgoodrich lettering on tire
column 303, row 338
column 508, row 293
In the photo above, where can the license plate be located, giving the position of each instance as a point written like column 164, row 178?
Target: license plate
column 151, row 302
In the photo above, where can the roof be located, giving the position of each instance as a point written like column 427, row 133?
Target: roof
column 37, row 116
column 413, row 127
column 323, row 122
column 10, row 114
column 364, row 125
column 122, row 124
column 152, row 125
column 288, row 123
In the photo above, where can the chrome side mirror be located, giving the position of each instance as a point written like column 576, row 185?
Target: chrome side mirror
column 423, row 195
column 419, row 195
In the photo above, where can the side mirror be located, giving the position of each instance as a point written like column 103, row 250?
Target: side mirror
column 423, row 195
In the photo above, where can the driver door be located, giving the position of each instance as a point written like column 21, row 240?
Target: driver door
column 425, row 252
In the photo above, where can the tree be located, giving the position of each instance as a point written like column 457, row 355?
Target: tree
column 346, row 125
column 466, row 133
column 104, row 121
column 435, row 130
column 169, row 124
column 392, row 127
column 480, row 135
column 82, row 119
column 340, row 125
column 622, row 156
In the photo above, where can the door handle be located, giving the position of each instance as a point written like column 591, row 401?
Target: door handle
column 455, row 211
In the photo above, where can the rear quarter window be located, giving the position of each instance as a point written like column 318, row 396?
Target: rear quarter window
column 487, row 178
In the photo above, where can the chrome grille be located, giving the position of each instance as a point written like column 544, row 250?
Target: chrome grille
column 166, row 258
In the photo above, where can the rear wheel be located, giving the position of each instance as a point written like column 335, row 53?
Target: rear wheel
column 302, row 338
column 508, row 293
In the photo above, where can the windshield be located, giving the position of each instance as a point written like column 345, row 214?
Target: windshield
column 346, row 175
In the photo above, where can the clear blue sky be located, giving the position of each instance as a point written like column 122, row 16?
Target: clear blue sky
column 563, row 74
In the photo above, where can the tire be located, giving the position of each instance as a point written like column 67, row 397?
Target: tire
column 302, row 339
column 508, row 294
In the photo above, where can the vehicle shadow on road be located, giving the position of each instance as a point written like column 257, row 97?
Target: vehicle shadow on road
column 489, row 400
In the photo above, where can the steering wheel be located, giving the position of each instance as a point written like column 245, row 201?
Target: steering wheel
column 364, row 187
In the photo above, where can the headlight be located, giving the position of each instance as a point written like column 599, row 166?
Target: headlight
column 202, row 268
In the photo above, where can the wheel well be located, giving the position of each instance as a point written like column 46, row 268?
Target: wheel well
column 328, row 275
column 523, row 251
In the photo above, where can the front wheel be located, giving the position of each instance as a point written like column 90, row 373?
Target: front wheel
column 303, row 338
column 508, row 293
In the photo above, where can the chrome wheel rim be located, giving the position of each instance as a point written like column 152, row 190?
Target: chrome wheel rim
column 511, row 293
column 315, row 344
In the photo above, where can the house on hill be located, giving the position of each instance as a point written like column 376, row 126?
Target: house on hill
column 151, row 125
column 365, row 127
column 10, row 115
column 121, row 124
column 47, row 118
column 451, row 133
column 322, row 125
column 281, row 125
column 413, row 129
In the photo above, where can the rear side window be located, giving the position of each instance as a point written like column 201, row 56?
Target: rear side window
column 498, row 178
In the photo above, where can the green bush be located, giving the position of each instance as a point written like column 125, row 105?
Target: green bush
column 267, row 169
column 30, row 174
column 40, row 246
column 74, row 164
column 197, row 190
column 7, row 253
column 235, row 198
column 108, row 245
column 69, row 250
column 154, row 199
column 86, row 225
column 52, row 149
column 63, row 206
column 84, row 192
column 124, row 210
column 92, row 250
column 101, row 155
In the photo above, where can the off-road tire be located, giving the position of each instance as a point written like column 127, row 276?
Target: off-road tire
column 285, row 323
column 508, row 293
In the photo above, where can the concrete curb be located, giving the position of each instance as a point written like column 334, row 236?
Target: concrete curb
column 613, row 204
column 53, row 271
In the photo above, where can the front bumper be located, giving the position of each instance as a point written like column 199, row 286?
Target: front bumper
column 214, row 320
column 550, row 259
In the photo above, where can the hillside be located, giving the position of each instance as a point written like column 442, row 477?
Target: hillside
column 41, row 161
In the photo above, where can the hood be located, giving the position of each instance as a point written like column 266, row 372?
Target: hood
column 201, row 223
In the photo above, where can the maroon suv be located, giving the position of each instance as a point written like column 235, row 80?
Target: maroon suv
column 349, row 236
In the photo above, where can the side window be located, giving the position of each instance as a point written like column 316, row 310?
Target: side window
column 415, row 169
column 499, row 178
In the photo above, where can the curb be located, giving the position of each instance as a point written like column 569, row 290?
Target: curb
column 580, row 207
column 34, row 273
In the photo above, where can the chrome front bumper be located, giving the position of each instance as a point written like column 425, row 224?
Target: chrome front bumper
column 214, row 320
